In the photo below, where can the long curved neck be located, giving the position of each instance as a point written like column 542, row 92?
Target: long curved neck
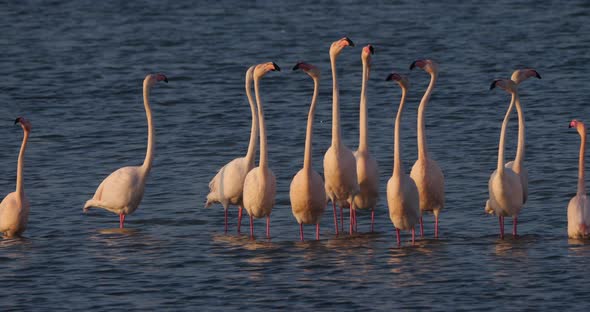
column 397, row 162
column 20, row 188
column 422, row 149
column 254, row 130
column 309, row 134
column 518, row 160
column 363, row 146
column 335, row 104
column 581, row 183
column 500, row 168
column 263, row 154
column 149, row 155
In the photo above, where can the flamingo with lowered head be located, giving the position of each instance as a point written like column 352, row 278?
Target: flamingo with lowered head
column 366, row 166
column 122, row 191
column 339, row 162
column 14, row 208
column 260, row 183
column 504, row 186
column 307, row 194
column 517, row 165
column 402, row 194
column 426, row 173
column 578, row 209
column 228, row 184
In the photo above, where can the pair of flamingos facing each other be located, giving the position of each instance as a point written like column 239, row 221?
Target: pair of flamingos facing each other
column 351, row 178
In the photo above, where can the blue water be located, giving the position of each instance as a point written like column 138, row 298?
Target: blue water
column 75, row 70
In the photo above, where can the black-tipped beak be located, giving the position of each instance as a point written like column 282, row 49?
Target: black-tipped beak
column 569, row 126
column 17, row 120
column 166, row 79
column 277, row 68
column 537, row 75
column 413, row 65
column 389, row 77
column 296, row 67
column 493, row 85
column 350, row 43
column 372, row 49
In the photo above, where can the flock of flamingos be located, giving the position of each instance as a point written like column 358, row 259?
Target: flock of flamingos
column 350, row 178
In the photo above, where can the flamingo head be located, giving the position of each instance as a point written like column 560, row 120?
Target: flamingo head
column 579, row 125
column 338, row 45
column 24, row 123
column 402, row 80
column 367, row 52
column 428, row 66
column 151, row 79
column 261, row 69
column 521, row 75
column 505, row 84
column 309, row 69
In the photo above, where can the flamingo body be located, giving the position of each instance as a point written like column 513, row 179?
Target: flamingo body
column 308, row 199
column 259, row 192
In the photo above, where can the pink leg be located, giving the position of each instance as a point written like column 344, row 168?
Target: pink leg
column 335, row 217
column 301, row 232
column 351, row 221
column 341, row 220
column 355, row 223
column 121, row 221
column 399, row 241
column 239, row 218
column 372, row 219
column 421, row 228
column 268, row 227
column 225, row 221
column 514, row 226
column 251, row 227
column 413, row 235
column 317, row 231
column 436, row 226
column 501, row 220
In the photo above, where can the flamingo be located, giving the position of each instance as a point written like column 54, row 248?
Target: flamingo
column 122, row 191
column 504, row 186
column 578, row 209
column 14, row 208
column 260, row 183
column 307, row 194
column 517, row 165
column 402, row 194
column 339, row 162
column 366, row 165
column 228, row 184
column 426, row 173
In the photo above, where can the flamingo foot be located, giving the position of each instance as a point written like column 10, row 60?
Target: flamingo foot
column 317, row 231
column 436, row 226
column 301, row 232
column 399, row 241
column 268, row 227
column 421, row 228
column 501, row 221
column 335, row 218
column 239, row 218
column 121, row 221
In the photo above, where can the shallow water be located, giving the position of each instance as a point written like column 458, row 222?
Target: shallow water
column 75, row 70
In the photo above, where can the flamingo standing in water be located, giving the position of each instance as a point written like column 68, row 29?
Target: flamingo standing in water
column 122, row 191
column 426, row 173
column 505, row 187
column 517, row 165
column 307, row 194
column 578, row 209
column 260, row 183
column 14, row 208
column 339, row 162
column 228, row 184
column 366, row 165
column 402, row 194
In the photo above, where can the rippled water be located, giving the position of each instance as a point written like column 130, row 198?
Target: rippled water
column 75, row 70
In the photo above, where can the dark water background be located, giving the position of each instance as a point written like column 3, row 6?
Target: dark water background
column 75, row 68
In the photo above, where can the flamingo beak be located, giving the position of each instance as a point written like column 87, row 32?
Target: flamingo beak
column 17, row 120
column 276, row 67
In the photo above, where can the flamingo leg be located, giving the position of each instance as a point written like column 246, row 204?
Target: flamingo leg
column 355, row 223
column 372, row 219
column 514, row 224
column 301, row 232
column 501, row 221
column 341, row 220
column 335, row 217
column 413, row 235
column 351, row 221
column 421, row 228
column 251, row 227
column 317, row 231
column 436, row 226
column 121, row 221
column 239, row 218
column 225, row 218
column 399, row 242
column 268, row 227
